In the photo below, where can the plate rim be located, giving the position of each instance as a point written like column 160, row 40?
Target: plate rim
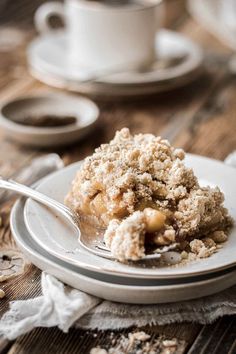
column 18, row 207
column 133, row 274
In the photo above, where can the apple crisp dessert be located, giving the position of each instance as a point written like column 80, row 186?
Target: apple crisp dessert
column 139, row 189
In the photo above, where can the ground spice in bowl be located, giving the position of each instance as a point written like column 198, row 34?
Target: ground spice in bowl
column 47, row 121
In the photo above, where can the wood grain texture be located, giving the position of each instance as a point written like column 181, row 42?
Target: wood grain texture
column 219, row 339
column 74, row 342
column 199, row 117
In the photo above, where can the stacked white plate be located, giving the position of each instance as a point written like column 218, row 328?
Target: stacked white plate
column 178, row 62
column 51, row 244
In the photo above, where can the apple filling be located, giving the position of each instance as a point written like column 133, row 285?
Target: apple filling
column 139, row 189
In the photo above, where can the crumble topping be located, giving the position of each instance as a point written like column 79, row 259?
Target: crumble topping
column 126, row 239
column 140, row 189
column 128, row 174
column 202, row 249
column 141, row 343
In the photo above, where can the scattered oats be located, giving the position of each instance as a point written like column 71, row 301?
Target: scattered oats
column 170, row 343
column 142, row 343
column 98, row 351
column 142, row 336
column 2, row 294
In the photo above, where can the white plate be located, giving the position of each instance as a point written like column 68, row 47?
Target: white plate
column 59, row 238
column 101, row 285
column 47, row 56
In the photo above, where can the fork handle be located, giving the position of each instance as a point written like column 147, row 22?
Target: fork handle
column 9, row 184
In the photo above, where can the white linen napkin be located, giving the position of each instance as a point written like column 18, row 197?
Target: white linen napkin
column 63, row 306
column 59, row 306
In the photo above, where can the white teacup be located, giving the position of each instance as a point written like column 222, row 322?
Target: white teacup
column 105, row 36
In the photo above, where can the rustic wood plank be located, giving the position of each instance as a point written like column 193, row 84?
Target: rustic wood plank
column 217, row 338
column 226, row 336
column 5, row 345
column 22, row 287
column 187, row 116
column 209, row 132
column 43, row 341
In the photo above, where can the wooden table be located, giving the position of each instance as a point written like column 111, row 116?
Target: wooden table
column 201, row 118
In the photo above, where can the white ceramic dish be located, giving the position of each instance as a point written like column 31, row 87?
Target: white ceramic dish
column 104, row 287
column 51, row 66
column 104, row 25
column 59, row 238
column 84, row 110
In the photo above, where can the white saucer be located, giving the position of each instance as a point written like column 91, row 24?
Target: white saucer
column 60, row 239
column 13, row 112
column 48, row 61
column 100, row 285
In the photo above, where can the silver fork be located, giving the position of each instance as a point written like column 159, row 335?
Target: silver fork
column 89, row 242
column 38, row 168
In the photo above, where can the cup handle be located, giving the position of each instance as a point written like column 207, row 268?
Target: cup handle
column 43, row 14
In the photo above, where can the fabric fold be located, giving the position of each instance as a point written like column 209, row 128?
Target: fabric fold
column 59, row 306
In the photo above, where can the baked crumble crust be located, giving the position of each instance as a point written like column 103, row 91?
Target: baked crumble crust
column 130, row 178
column 126, row 238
